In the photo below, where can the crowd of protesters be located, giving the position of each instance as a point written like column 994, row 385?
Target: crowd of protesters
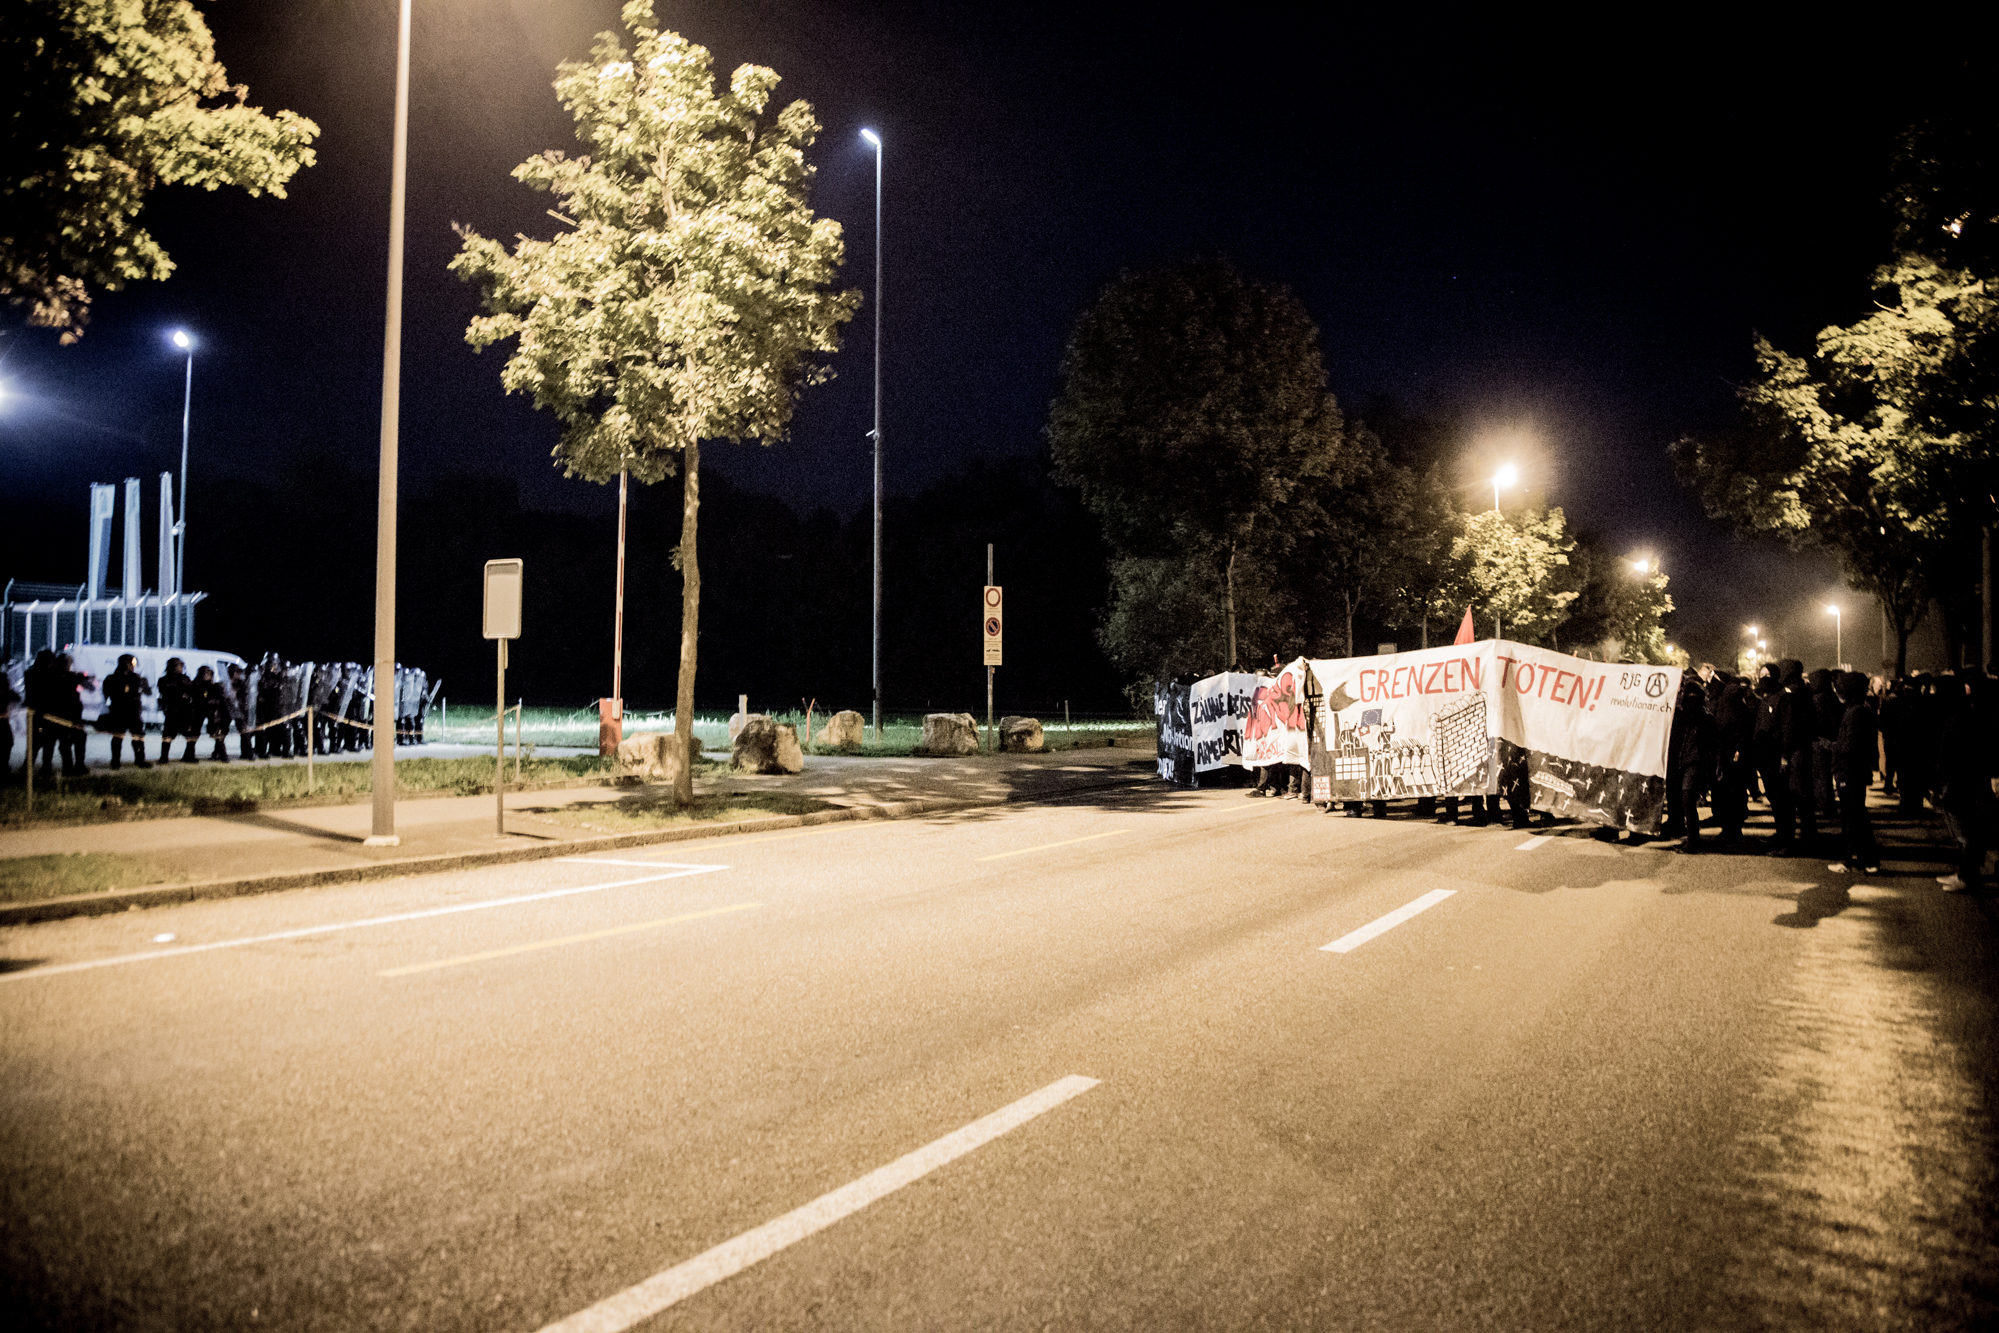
column 277, row 709
column 1806, row 745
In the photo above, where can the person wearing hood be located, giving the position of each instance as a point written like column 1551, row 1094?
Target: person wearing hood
column 1964, row 775
column 1797, row 726
column 1690, row 758
column 1730, row 704
column 1853, row 769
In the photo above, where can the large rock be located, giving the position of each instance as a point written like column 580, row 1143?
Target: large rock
column 843, row 731
column 766, row 746
column 1022, row 735
column 946, row 735
column 654, row 755
column 736, row 723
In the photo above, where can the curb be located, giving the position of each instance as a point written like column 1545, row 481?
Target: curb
column 165, row 895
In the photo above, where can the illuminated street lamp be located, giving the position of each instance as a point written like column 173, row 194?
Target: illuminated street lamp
column 876, row 434
column 186, row 344
column 1506, row 476
column 1838, row 632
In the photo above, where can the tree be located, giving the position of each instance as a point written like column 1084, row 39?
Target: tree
column 111, row 98
column 691, row 293
column 1193, row 407
column 1619, row 610
column 1513, row 571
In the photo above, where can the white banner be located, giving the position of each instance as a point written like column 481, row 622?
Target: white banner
column 1219, row 706
column 1277, row 729
column 1587, row 738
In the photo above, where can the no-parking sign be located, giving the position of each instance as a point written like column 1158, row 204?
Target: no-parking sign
column 989, row 609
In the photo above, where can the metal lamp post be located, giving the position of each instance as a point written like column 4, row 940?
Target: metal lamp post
column 182, row 630
column 876, row 433
column 382, row 767
column 1838, row 635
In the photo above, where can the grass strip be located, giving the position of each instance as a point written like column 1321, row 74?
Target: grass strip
column 31, row 879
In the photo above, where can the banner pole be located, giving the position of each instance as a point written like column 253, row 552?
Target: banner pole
column 311, row 785
column 31, row 761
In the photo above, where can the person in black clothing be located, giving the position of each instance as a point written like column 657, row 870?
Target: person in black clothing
column 180, row 710
column 1796, row 727
column 1964, row 775
column 124, row 694
column 271, row 685
column 1690, row 760
column 1827, row 707
column 212, row 708
column 1853, row 767
column 1735, row 726
column 241, row 689
column 1768, row 752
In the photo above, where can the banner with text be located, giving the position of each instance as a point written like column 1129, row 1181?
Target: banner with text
column 1277, row 730
column 1175, row 737
column 1219, row 707
column 1588, row 738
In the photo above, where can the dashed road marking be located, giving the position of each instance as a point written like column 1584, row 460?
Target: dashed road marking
column 1046, row 846
column 656, row 1293
column 1533, row 842
column 1381, row 926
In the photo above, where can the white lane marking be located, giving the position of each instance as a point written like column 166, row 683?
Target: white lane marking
column 673, row 872
column 607, row 861
column 1350, row 942
column 1533, row 842
column 656, row 1293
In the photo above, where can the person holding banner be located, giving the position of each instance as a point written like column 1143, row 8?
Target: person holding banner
column 1689, row 763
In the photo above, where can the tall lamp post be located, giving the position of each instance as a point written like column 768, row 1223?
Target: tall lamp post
column 1838, row 635
column 182, row 630
column 382, row 766
column 876, row 433
column 1506, row 476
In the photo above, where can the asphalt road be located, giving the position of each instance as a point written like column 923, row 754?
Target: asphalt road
column 1084, row 1065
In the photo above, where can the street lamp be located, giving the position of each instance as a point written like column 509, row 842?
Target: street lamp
column 1506, row 476
column 181, row 627
column 1838, row 630
column 382, row 759
column 876, row 434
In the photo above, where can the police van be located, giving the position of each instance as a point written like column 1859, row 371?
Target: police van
column 99, row 660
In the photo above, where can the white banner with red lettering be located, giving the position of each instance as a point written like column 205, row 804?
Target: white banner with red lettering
column 1588, row 739
column 1277, row 730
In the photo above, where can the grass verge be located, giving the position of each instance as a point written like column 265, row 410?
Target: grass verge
column 33, row 879
column 170, row 790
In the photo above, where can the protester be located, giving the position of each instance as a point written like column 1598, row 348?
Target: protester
column 1729, row 702
column 1796, row 729
column 8, row 698
column 124, row 694
column 1964, row 776
column 1853, row 762
column 1690, row 761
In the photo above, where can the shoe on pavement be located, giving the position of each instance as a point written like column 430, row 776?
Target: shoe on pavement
column 1952, row 884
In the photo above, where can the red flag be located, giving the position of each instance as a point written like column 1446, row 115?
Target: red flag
column 1465, row 630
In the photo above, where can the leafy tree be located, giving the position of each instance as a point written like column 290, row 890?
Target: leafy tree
column 1619, row 610
column 692, row 292
column 110, row 98
column 1193, row 407
column 1514, row 571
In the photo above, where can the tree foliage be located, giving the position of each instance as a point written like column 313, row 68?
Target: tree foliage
column 1193, row 409
column 691, row 292
column 107, row 99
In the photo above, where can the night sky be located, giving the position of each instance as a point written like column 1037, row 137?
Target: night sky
column 1559, row 239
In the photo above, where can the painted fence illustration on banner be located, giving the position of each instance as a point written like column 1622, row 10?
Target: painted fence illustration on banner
column 1583, row 739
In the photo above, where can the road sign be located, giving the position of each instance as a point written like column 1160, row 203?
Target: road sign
column 989, row 607
column 502, row 618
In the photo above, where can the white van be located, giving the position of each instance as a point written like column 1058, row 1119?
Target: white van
column 99, row 660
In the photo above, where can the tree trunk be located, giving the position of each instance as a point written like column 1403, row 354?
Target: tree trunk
column 1426, row 629
column 690, row 623
column 1228, row 604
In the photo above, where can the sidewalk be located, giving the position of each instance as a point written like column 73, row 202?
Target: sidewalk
column 226, row 855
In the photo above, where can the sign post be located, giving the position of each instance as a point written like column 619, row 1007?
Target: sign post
column 990, row 611
column 501, row 620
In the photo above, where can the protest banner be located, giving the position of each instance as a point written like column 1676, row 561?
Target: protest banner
column 1586, row 739
column 1219, row 707
column 1276, row 730
column 1174, row 734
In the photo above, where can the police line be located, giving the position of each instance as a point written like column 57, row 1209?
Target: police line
column 1582, row 739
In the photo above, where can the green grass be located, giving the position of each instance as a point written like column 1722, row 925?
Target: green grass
column 899, row 733
column 31, row 879
column 233, row 788
column 653, row 808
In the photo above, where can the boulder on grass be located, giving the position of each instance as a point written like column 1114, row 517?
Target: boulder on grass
column 653, row 755
column 947, row 735
column 843, row 731
column 736, row 722
column 1022, row 735
column 766, row 746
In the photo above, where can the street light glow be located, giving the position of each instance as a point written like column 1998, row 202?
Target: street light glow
column 871, row 137
column 181, row 340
